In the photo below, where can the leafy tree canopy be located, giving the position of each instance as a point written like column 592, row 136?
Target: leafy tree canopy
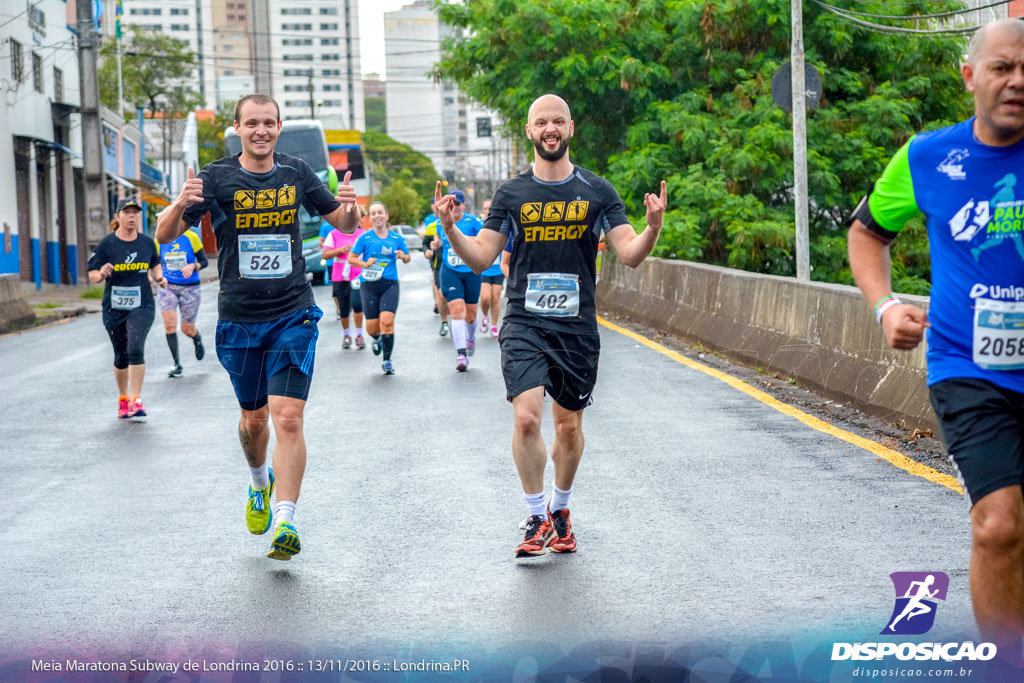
column 153, row 67
column 681, row 90
column 393, row 161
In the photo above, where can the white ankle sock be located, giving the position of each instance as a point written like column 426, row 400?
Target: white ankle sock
column 560, row 499
column 260, row 476
column 284, row 511
column 536, row 503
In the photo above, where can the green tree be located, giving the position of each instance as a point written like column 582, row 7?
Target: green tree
column 392, row 161
column 153, row 66
column 681, row 90
column 402, row 201
column 211, row 134
column 376, row 114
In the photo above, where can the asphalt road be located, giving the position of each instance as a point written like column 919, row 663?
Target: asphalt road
column 703, row 515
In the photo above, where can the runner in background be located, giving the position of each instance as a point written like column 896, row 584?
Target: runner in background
column 127, row 261
column 376, row 253
column 181, row 261
column 460, row 286
column 345, row 279
column 433, row 256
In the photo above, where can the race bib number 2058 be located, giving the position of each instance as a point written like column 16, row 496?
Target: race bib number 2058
column 999, row 334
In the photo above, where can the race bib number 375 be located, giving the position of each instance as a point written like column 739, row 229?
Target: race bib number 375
column 264, row 256
column 999, row 334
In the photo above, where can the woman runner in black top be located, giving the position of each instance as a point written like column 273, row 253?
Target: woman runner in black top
column 127, row 261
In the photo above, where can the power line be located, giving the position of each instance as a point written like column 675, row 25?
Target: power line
column 882, row 28
column 920, row 16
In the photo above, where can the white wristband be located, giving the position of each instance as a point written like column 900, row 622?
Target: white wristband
column 887, row 305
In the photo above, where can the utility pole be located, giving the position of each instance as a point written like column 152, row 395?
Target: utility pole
column 798, row 79
column 312, row 103
column 92, row 156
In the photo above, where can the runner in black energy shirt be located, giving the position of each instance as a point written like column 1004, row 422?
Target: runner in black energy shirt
column 266, row 335
column 125, row 259
column 555, row 215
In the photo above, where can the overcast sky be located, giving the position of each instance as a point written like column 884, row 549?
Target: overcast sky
column 371, row 32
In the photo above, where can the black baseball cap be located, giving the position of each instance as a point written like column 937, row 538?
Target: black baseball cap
column 128, row 203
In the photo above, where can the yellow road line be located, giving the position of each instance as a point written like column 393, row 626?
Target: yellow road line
column 887, row 454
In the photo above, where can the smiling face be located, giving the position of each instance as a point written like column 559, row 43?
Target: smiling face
column 549, row 127
column 378, row 216
column 258, row 128
column 995, row 74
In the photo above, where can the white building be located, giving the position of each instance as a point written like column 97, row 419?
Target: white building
column 39, row 95
column 436, row 119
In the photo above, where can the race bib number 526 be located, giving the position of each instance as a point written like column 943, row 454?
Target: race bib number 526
column 264, row 256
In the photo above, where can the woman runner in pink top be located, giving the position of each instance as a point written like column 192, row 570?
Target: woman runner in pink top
column 346, row 284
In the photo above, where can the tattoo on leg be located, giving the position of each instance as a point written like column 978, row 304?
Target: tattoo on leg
column 246, row 440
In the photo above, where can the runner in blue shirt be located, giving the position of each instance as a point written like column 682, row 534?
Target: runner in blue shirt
column 182, row 260
column 963, row 179
column 376, row 253
column 460, row 286
column 491, row 282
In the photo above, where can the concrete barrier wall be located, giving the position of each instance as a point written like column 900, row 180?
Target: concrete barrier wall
column 823, row 335
column 14, row 310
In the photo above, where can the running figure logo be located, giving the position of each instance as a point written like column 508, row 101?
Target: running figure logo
column 916, row 592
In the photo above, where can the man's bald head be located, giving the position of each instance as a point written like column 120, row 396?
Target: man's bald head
column 548, row 103
column 1011, row 28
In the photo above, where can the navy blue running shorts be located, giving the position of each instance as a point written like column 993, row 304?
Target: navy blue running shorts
column 458, row 285
column 982, row 427
column 270, row 357
column 379, row 296
column 565, row 364
column 498, row 279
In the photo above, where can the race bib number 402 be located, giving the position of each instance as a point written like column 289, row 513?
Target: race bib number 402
column 999, row 334
column 553, row 294
column 264, row 256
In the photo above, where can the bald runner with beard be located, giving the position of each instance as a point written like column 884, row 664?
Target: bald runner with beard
column 553, row 215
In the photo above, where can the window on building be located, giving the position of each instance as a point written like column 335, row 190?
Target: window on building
column 17, row 62
column 330, row 58
column 179, row 27
column 329, row 10
column 157, row 11
column 183, row 11
column 331, row 72
column 58, row 84
column 332, row 87
column 37, row 72
column 297, row 58
column 229, row 72
column 328, row 41
column 296, row 10
column 328, row 27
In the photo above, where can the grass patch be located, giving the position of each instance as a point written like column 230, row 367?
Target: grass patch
column 48, row 304
column 93, row 292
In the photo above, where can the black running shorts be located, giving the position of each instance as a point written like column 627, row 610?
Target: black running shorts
column 565, row 364
column 982, row 427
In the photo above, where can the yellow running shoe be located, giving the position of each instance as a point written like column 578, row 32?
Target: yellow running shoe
column 285, row 543
column 257, row 511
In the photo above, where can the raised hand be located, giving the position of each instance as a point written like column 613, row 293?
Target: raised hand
column 443, row 204
column 346, row 193
column 191, row 191
column 656, row 206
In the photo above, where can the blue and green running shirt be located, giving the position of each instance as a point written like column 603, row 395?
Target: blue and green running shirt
column 969, row 196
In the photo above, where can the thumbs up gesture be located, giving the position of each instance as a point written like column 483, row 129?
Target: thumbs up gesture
column 191, row 191
column 346, row 193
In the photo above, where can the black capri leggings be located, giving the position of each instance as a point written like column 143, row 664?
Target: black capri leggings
column 348, row 300
column 129, row 337
column 378, row 296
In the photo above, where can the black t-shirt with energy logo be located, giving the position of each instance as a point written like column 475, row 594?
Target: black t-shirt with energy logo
column 555, row 229
column 259, row 245
column 127, row 289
